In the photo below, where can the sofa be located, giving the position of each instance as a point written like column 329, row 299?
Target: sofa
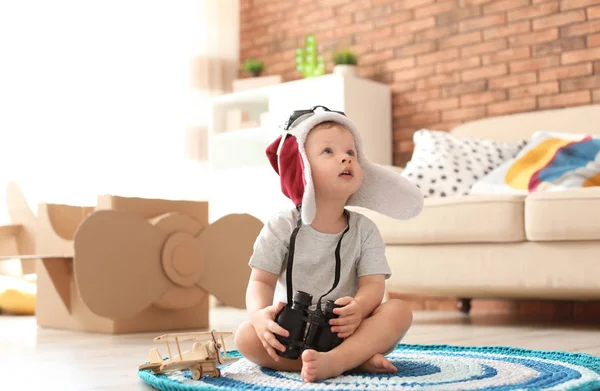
column 537, row 245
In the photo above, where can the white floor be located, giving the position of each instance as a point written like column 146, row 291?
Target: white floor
column 33, row 359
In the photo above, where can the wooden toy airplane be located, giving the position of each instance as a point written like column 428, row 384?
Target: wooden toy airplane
column 202, row 359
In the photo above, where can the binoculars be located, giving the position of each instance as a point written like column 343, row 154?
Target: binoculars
column 297, row 317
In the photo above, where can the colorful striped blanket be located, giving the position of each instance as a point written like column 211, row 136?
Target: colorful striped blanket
column 556, row 164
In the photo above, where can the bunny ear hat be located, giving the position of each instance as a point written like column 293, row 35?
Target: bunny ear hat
column 382, row 189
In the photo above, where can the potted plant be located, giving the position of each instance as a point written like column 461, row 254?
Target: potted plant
column 254, row 67
column 345, row 62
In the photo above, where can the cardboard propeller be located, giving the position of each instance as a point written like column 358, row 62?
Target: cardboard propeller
column 124, row 263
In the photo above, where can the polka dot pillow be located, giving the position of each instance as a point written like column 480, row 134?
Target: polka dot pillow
column 445, row 165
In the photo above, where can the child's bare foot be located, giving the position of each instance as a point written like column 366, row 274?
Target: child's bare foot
column 318, row 366
column 378, row 364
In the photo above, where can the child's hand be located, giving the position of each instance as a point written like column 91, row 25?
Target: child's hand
column 350, row 317
column 265, row 325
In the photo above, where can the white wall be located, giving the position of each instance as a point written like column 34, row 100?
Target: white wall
column 87, row 85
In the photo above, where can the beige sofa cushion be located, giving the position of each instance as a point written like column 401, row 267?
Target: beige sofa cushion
column 464, row 219
column 553, row 270
column 563, row 215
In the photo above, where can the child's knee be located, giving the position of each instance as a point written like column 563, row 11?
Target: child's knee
column 245, row 338
column 402, row 313
column 403, row 310
column 398, row 313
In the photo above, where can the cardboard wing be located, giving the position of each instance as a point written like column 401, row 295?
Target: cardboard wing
column 124, row 263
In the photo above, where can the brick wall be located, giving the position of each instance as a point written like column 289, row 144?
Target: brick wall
column 447, row 61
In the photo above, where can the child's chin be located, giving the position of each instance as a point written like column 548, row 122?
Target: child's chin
column 344, row 190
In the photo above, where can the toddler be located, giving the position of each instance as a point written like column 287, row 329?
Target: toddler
column 337, row 254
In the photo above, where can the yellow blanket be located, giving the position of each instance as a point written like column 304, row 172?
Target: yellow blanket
column 17, row 295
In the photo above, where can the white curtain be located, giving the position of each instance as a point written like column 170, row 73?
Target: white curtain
column 110, row 96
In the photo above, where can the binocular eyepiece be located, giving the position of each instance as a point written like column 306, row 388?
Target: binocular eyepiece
column 297, row 317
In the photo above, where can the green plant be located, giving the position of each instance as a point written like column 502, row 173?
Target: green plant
column 308, row 61
column 344, row 57
column 254, row 67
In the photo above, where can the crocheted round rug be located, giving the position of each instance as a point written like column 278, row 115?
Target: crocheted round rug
column 422, row 367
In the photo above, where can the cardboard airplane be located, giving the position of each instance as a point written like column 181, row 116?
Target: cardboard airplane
column 130, row 264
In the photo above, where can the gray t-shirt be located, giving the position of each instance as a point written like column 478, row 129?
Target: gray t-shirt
column 362, row 253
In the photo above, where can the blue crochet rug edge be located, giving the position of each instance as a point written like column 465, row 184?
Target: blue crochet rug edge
column 163, row 383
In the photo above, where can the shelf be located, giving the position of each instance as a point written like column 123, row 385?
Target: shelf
column 254, row 95
column 263, row 93
column 246, row 133
column 368, row 104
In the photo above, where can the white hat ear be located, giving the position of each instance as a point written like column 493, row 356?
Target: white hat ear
column 383, row 190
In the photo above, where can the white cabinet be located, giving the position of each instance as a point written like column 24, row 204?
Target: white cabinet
column 243, row 180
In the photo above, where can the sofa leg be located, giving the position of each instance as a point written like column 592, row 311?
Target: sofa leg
column 464, row 305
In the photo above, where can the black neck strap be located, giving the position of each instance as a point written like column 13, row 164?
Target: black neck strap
column 290, row 261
